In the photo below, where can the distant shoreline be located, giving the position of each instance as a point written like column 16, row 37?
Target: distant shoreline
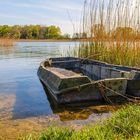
column 50, row 40
column 59, row 40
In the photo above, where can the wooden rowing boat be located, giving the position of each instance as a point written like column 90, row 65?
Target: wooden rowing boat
column 70, row 79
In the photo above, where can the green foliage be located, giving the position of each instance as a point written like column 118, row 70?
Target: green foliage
column 53, row 32
column 31, row 32
column 124, row 125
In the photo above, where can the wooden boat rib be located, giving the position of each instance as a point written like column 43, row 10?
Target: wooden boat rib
column 71, row 79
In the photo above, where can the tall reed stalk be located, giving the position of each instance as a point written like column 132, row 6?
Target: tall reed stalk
column 113, row 31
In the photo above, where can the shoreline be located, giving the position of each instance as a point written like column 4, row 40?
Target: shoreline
column 50, row 40
column 59, row 40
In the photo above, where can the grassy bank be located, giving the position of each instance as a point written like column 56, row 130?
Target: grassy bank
column 124, row 124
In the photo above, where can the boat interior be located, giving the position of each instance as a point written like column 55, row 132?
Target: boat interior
column 95, row 70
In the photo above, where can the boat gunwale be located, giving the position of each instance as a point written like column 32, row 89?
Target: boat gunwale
column 91, row 61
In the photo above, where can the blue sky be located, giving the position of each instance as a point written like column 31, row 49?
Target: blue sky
column 44, row 12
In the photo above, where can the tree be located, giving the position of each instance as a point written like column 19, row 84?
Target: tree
column 35, row 32
column 15, row 32
column 30, row 32
column 53, row 32
column 5, row 31
column 42, row 31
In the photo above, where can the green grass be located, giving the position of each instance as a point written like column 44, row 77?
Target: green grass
column 123, row 125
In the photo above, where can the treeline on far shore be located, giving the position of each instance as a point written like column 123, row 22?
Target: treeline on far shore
column 38, row 32
column 32, row 32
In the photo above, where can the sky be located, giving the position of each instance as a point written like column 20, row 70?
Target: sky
column 63, row 13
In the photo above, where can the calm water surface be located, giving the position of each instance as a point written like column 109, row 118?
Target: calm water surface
column 18, row 74
column 20, row 89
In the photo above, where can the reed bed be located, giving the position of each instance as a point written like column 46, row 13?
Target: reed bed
column 6, row 42
column 114, row 54
column 112, row 29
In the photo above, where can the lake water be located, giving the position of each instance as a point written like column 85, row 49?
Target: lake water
column 18, row 75
column 21, row 93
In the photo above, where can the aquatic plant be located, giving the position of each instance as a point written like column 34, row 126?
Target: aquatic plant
column 120, row 55
column 112, row 31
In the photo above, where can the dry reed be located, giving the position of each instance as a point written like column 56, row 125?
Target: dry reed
column 113, row 31
column 6, row 42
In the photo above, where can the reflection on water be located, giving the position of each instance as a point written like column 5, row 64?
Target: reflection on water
column 37, row 49
column 19, row 82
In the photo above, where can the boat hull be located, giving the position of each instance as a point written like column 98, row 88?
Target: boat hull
column 94, row 91
column 101, row 80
